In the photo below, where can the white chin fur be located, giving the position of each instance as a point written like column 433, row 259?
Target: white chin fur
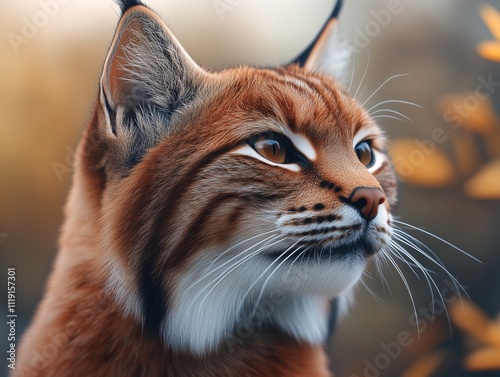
column 205, row 309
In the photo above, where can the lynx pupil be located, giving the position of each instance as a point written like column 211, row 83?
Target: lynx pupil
column 271, row 149
column 365, row 153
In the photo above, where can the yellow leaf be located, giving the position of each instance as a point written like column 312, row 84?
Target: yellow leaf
column 484, row 359
column 426, row 366
column 472, row 320
column 491, row 18
column 474, row 113
column 489, row 50
column 421, row 163
column 486, row 183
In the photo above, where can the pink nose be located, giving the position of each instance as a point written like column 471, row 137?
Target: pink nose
column 367, row 200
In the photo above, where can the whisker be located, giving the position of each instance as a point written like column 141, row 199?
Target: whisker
column 429, row 277
column 298, row 256
column 401, row 252
column 206, row 274
column 383, row 84
column 438, row 238
column 363, row 77
column 380, row 264
column 455, row 281
column 429, row 280
column 405, row 282
column 272, row 273
column 387, row 117
column 419, row 246
column 411, row 241
column 240, row 243
column 249, row 289
column 226, row 272
column 391, row 111
column 396, row 253
column 393, row 101
column 370, row 291
column 352, row 73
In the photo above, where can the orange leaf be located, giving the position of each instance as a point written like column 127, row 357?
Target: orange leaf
column 484, row 359
column 475, row 114
column 489, row 50
column 421, row 163
column 491, row 18
column 486, row 183
column 426, row 366
column 474, row 322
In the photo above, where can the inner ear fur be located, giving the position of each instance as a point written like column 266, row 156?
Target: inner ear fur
column 146, row 65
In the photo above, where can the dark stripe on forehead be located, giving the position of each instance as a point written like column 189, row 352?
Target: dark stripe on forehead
column 329, row 95
column 287, row 100
column 278, row 76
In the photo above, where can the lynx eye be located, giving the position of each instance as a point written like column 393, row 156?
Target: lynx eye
column 365, row 153
column 271, row 146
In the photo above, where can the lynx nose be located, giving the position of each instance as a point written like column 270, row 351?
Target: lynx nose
column 367, row 200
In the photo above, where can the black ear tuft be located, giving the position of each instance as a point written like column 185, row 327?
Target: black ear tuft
column 127, row 4
column 304, row 56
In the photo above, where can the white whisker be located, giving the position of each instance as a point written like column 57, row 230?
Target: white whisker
column 387, row 117
column 455, row 281
column 405, row 282
column 428, row 278
column 393, row 101
column 226, row 272
column 259, row 297
column 438, row 238
column 362, row 78
column 247, row 292
column 383, row 84
column 392, row 112
column 352, row 73
column 205, row 275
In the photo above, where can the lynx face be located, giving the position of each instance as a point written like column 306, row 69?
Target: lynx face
column 226, row 191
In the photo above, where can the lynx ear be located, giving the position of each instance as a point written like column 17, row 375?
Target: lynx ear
column 326, row 53
column 146, row 67
column 147, row 79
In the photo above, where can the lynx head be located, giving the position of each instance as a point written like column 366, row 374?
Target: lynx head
column 220, row 192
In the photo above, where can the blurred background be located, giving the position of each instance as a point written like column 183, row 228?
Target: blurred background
column 446, row 151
